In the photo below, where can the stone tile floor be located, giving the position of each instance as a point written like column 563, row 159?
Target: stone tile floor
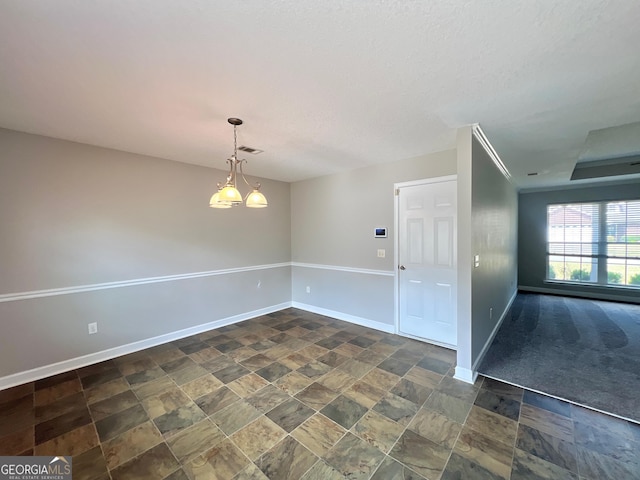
column 295, row 395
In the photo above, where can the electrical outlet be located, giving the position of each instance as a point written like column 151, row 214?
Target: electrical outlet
column 93, row 328
column 308, row 289
column 381, row 253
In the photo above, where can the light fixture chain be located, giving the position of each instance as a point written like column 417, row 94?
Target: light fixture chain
column 235, row 143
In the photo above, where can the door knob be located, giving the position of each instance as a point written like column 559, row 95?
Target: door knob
column 401, row 267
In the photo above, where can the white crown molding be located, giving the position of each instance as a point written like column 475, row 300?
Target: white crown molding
column 484, row 141
column 12, row 297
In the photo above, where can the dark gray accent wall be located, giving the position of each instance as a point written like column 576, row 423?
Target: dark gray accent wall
column 532, row 234
column 494, row 210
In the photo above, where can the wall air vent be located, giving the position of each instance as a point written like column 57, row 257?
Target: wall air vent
column 253, row 151
column 613, row 167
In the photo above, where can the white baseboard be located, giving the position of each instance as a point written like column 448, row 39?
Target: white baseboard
column 466, row 375
column 429, row 341
column 489, row 341
column 470, row 375
column 365, row 322
column 79, row 362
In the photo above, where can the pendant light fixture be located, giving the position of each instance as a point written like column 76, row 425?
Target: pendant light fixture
column 228, row 195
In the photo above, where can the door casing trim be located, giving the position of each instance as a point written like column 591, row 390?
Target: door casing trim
column 396, row 244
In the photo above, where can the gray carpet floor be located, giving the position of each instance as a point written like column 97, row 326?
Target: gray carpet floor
column 580, row 350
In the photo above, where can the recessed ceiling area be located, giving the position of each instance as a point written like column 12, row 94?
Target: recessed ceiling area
column 626, row 167
column 610, row 152
column 326, row 86
column 612, row 142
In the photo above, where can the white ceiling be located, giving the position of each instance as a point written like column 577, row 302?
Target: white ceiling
column 322, row 86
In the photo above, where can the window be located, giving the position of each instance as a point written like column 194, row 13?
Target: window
column 623, row 243
column 594, row 243
column 573, row 235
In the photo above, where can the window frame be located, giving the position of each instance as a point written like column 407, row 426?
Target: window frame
column 599, row 247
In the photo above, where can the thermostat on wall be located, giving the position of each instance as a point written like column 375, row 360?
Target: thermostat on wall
column 381, row 232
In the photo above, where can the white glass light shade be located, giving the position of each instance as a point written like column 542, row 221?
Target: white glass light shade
column 256, row 200
column 216, row 203
column 230, row 194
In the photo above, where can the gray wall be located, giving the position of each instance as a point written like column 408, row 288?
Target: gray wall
column 332, row 224
column 532, row 231
column 495, row 240
column 75, row 215
column 487, row 226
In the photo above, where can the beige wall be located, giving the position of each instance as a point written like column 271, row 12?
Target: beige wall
column 332, row 224
column 74, row 215
column 333, row 217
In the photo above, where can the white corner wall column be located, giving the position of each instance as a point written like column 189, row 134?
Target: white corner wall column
column 464, row 365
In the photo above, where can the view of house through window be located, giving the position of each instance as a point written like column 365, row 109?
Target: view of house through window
column 595, row 243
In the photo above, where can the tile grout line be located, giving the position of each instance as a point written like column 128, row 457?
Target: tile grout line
column 292, row 395
column 407, row 427
column 461, row 428
column 515, row 437
column 573, row 437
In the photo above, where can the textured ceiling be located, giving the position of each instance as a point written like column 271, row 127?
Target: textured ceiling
column 322, row 86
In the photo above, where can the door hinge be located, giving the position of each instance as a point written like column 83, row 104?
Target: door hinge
column 397, row 192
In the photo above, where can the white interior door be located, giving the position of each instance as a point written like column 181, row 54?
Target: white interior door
column 427, row 259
